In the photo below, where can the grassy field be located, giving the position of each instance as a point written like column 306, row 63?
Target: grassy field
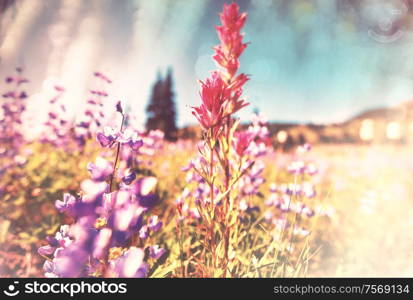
column 364, row 190
column 372, row 194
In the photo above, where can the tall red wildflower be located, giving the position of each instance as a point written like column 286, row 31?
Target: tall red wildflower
column 221, row 94
column 214, row 93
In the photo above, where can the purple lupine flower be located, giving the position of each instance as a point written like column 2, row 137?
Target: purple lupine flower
column 89, row 113
column 311, row 169
column 129, row 265
column 132, row 139
column 154, row 223
column 62, row 236
column 67, row 204
column 273, row 188
column 292, row 189
column 143, row 189
column 49, row 269
column 256, row 149
column 104, row 220
column 99, row 93
column 122, row 198
column 59, row 88
column 308, row 190
column 119, row 107
column 108, row 203
column 23, row 95
column 144, row 232
column 61, row 239
column 46, row 250
column 156, row 252
column 100, row 170
column 127, row 216
column 108, row 137
column 135, row 144
column 285, row 204
column 70, row 262
column 308, row 212
column 101, row 243
column 129, row 176
column 93, row 190
column 296, row 167
column 84, row 124
column 304, row 148
column 52, row 115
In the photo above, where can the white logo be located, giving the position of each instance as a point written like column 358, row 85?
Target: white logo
column 384, row 17
column 12, row 290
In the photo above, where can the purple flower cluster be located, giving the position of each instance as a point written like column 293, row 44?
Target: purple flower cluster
column 94, row 116
column 249, row 146
column 13, row 105
column 111, row 136
column 143, row 144
column 104, row 222
column 11, row 136
column 108, row 225
column 57, row 126
column 258, row 146
column 293, row 197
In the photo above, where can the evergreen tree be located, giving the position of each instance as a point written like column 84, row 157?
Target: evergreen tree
column 161, row 108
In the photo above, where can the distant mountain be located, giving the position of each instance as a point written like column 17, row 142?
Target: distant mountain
column 378, row 125
column 401, row 111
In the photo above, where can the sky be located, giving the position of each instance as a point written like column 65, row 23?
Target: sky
column 316, row 61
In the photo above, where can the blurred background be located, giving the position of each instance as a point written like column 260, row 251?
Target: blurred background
column 318, row 61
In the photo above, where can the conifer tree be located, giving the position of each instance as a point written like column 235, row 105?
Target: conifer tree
column 161, row 108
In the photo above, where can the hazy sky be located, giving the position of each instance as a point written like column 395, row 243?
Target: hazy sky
column 318, row 61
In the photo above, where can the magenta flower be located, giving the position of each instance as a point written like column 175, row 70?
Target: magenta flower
column 231, row 47
column 242, row 140
column 214, row 93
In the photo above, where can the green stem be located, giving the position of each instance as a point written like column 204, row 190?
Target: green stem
column 117, row 157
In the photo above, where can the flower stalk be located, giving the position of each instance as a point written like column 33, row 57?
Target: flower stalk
column 221, row 96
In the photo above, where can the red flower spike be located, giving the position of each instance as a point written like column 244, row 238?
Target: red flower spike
column 221, row 94
column 242, row 141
